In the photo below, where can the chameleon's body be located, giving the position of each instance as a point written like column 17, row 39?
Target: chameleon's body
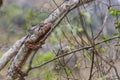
column 44, row 29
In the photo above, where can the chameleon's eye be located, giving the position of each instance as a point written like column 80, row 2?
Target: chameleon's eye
column 41, row 24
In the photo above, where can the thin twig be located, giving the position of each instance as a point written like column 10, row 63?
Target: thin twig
column 91, row 70
column 73, row 51
column 103, row 25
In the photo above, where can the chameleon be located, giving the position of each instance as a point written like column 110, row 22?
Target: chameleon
column 44, row 29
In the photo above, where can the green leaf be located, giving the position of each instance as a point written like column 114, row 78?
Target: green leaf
column 114, row 11
column 78, row 64
column 116, row 34
column 48, row 56
column 104, row 38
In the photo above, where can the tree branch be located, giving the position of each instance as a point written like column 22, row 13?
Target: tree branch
column 21, row 51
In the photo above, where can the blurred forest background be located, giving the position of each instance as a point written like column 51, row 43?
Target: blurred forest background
column 101, row 23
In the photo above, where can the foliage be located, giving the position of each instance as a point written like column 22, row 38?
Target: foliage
column 42, row 57
column 14, row 17
column 116, row 12
column 46, row 72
